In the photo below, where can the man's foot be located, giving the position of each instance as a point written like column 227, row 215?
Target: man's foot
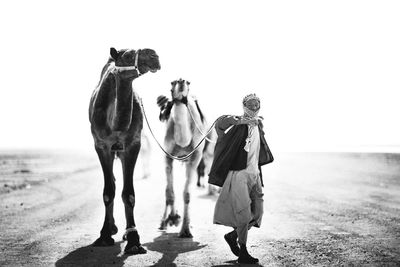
column 231, row 238
column 245, row 257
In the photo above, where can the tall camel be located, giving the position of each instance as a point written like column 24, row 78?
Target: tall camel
column 116, row 123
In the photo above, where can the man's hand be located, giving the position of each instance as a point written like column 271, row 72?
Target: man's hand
column 162, row 101
column 165, row 107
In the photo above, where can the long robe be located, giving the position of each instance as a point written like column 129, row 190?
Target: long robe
column 240, row 202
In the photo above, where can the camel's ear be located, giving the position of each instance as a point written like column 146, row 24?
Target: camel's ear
column 114, row 53
column 187, row 82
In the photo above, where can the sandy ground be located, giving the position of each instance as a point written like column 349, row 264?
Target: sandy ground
column 320, row 209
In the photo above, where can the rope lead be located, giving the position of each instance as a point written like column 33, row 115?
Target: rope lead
column 182, row 158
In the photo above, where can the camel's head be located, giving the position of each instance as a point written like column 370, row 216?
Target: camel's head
column 180, row 89
column 144, row 59
column 148, row 61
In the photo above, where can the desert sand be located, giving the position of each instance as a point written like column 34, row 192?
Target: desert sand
column 321, row 209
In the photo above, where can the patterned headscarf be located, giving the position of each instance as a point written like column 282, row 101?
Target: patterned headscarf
column 248, row 112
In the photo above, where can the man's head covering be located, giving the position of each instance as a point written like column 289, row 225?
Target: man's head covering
column 250, row 97
column 248, row 112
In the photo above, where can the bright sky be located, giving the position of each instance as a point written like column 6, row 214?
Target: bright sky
column 328, row 72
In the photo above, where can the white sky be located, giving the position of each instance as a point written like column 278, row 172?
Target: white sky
column 328, row 72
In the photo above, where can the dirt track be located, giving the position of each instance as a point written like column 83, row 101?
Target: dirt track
column 319, row 210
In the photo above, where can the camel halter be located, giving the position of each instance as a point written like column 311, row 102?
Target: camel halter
column 117, row 69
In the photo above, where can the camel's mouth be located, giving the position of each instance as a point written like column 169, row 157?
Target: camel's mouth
column 155, row 67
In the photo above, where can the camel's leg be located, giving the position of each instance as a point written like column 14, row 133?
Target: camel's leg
column 173, row 218
column 106, row 158
column 200, row 172
column 191, row 167
column 208, row 158
column 128, row 160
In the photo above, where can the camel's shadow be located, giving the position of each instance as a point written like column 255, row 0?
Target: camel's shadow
column 94, row 256
column 170, row 245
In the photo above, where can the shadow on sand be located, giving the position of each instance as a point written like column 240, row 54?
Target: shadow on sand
column 213, row 197
column 170, row 245
column 235, row 263
column 94, row 256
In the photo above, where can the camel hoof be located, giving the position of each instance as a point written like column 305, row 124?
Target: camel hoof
column 135, row 250
column 103, row 242
column 163, row 225
column 133, row 246
column 185, row 233
column 173, row 220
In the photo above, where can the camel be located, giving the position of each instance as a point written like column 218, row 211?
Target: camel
column 185, row 125
column 116, row 123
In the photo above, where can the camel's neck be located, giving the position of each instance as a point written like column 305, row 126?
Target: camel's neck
column 182, row 126
column 122, row 113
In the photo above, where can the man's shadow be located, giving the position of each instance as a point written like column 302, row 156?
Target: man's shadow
column 171, row 245
column 94, row 256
